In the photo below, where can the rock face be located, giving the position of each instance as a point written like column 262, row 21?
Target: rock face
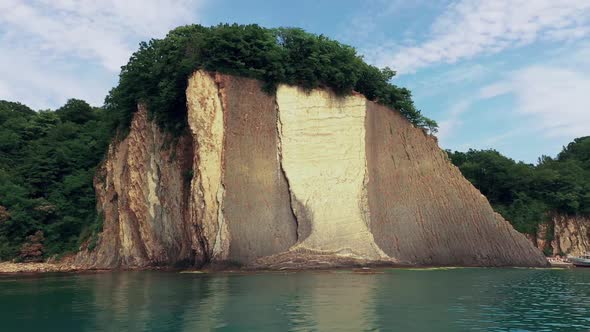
column 291, row 180
column 143, row 198
column 423, row 210
column 570, row 235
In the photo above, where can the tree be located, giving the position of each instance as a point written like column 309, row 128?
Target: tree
column 525, row 194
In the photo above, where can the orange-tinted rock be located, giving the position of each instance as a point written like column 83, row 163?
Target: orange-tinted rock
column 142, row 194
column 542, row 235
column 571, row 235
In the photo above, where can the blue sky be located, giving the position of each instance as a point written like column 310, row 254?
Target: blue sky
column 506, row 74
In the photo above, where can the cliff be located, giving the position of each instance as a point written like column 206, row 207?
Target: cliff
column 289, row 180
column 563, row 235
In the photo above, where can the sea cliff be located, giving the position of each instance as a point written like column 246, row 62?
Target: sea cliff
column 293, row 179
column 563, row 235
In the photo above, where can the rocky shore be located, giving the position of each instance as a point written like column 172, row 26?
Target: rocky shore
column 10, row 267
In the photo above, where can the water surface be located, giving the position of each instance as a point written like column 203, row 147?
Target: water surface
column 394, row 300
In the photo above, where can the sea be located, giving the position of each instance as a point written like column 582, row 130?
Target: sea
column 428, row 299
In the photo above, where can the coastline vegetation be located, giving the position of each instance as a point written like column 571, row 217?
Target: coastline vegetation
column 527, row 194
column 47, row 164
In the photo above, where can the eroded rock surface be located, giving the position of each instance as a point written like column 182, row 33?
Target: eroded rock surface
column 205, row 120
column 323, row 156
column 292, row 180
column 571, row 235
column 257, row 205
column 142, row 197
column 423, row 210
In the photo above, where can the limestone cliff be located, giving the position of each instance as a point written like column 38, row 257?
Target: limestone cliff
column 294, row 179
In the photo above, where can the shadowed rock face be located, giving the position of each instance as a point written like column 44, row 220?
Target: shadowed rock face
column 292, row 180
column 257, row 205
column 423, row 211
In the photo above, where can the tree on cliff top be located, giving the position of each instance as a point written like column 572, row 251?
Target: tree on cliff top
column 157, row 73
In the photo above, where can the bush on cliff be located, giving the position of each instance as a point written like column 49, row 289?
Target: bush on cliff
column 157, row 73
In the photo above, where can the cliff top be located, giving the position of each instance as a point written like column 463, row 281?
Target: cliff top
column 157, row 73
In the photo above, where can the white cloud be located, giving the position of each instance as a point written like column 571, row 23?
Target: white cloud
column 41, row 37
column 441, row 83
column 42, row 83
column 551, row 99
column 555, row 99
column 453, row 121
column 474, row 27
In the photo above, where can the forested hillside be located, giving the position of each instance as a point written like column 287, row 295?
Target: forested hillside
column 47, row 162
column 524, row 193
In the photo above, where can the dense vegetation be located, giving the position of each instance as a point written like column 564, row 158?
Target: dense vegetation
column 47, row 162
column 157, row 73
column 523, row 193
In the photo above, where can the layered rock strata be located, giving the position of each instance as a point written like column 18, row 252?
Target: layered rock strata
column 291, row 180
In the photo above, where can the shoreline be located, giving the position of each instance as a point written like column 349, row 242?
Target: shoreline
column 10, row 268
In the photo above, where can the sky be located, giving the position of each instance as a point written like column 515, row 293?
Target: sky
column 510, row 75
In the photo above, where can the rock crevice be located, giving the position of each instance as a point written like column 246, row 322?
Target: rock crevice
column 290, row 180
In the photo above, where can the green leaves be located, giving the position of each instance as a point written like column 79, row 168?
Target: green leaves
column 525, row 193
column 47, row 164
column 157, row 73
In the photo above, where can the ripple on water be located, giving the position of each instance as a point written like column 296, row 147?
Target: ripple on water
column 399, row 299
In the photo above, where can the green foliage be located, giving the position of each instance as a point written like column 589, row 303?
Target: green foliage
column 47, row 164
column 523, row 193
column 157, row 73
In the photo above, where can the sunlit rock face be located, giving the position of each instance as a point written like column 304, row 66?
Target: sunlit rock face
column 142, row 197
column 571, row 235
column 323, row 155
column 291, row 180
column 563, row 234
column 206, row 123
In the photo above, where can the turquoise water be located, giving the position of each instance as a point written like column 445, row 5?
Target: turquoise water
column 394, row 300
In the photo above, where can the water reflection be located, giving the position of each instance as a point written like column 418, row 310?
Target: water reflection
column 403, row 300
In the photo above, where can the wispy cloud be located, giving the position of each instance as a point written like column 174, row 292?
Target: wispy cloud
column 453, row 121
column 470, row 28
column 368, row 28
column 46, row 35
column 556, row 100
column 438, row 83
column 551, row 100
